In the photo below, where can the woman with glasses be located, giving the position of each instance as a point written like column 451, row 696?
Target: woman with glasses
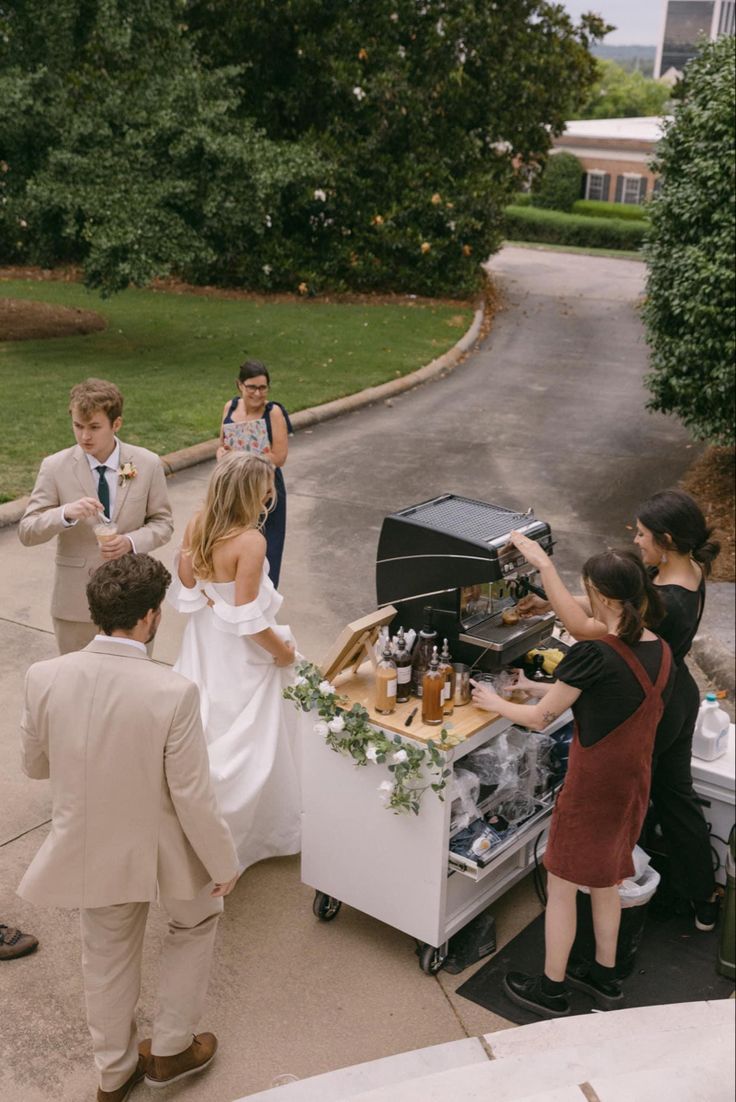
column 252, row 423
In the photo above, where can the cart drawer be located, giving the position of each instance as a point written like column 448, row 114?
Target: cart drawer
column 517, row 841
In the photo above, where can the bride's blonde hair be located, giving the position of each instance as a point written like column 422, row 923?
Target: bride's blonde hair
column 238, row 487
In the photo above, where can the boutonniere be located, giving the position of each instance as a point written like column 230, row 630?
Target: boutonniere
column 126, row 473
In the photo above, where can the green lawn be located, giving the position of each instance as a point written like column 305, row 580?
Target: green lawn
column 175, row 357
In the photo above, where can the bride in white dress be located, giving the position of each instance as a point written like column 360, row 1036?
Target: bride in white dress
column 241, row 660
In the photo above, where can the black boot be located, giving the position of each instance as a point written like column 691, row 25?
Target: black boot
column 600, row 983
column 528, row 991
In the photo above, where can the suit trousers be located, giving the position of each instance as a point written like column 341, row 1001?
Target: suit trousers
column 112, row 946
column 73, row 635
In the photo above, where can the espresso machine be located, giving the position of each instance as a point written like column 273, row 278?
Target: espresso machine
column 451, row 555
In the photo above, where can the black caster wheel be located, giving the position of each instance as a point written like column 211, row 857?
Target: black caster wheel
column 325, row 907
column 431, row 959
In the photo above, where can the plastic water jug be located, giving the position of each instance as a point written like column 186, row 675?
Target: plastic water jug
column 710, row 739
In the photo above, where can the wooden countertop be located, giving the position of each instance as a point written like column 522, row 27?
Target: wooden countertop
column 461, row 725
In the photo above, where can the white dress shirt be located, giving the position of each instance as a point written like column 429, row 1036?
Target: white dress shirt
column 112, row 465
column 120, row 639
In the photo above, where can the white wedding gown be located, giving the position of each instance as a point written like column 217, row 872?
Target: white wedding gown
column 252, row 732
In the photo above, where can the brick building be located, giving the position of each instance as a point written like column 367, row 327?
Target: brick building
column 615, row 155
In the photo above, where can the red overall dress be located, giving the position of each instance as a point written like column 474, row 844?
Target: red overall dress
column 600, row 810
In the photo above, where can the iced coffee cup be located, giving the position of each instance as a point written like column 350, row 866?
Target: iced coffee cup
column 105, row 531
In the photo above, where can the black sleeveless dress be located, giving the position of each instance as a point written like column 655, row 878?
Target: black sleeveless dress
column 676, row 806
column 275, row 527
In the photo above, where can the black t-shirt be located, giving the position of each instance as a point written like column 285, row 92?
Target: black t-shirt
column 683, row 609
column 610, row 691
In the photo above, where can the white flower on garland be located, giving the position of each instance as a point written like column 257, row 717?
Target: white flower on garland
column 336, row 725
column 399, row 757
column 371, row 752
column 300, row 680
column 358, row 93
column 321, row 729
column 320, row 195
column 327, row 688
column 385, row 790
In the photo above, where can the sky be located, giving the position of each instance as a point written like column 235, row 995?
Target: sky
column 637, row 22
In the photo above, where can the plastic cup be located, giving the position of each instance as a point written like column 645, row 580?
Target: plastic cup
column 105, row 532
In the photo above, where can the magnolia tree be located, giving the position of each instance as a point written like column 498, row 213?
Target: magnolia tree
column 277, row 143
column 690, row 308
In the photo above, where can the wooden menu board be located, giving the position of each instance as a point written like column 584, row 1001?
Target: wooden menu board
column 355, row 643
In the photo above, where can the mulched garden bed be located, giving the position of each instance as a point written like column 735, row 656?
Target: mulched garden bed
column 711, row 481
column 23, row 320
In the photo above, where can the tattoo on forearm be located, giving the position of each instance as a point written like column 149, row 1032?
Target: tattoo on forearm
column 549, row 717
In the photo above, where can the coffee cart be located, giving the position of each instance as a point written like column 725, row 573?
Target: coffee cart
column 400, row 869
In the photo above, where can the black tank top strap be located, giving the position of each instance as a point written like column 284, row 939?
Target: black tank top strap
column 231, row 409
column 267, row 415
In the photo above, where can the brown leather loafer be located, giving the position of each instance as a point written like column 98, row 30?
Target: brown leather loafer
column 162, row 1070
column 14, row 943
column 121, row 1093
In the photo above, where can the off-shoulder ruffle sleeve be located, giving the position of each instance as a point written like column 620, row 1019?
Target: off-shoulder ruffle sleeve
column 247, row 619
column 180, row 597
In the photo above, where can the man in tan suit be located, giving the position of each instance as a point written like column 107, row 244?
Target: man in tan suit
column 76, row 488
column 133, row 815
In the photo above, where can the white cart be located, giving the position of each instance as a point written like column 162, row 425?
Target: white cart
column 399, row 868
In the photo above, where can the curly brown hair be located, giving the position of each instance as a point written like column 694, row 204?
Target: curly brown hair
column 122, row 591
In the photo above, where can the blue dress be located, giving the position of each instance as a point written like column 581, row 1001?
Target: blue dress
column 275, row 527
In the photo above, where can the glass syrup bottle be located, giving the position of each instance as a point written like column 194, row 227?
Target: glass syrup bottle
column 402, row 658
column 422, row 653
column 386, row 682
column 448, row 690
column 433, row 684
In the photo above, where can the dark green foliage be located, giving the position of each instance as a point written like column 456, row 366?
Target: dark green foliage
column 558, row 186
column 532, row 224
column 596, row 208
column 690, row 309
column 277, row 143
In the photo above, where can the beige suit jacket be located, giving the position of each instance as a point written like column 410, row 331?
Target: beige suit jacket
column 142, row 511
column 133, row 807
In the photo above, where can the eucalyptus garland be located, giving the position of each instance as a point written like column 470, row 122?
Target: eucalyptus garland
column 347, row 729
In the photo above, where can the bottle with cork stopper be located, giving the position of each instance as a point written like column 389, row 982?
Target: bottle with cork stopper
column 402, row 658
column 386, row 680
column 448, row 672
column 433, row 684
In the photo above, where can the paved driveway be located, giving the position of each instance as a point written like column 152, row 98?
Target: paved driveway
column 548, row 413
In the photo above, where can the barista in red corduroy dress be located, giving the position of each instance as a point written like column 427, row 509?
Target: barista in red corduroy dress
column 616, row 687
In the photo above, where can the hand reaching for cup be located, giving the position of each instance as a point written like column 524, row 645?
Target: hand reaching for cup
column 115, row 546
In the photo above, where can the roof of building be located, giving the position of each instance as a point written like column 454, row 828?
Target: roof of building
column 646, row 128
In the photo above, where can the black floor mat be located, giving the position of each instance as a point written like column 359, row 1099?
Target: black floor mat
column 675, row 964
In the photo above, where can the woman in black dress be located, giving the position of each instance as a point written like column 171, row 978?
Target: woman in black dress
column 616, row 687
column 676, row 546
column 253, row 423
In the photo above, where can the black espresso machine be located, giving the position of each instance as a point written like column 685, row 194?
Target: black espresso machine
column 452, row 555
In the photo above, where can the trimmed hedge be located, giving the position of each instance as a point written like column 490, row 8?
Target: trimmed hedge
column 629, row 212
column 556, row 228
column 559, row 183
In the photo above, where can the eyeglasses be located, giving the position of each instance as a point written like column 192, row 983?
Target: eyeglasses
column 255, row 389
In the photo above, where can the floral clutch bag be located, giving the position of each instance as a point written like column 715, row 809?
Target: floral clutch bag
column 247, row 436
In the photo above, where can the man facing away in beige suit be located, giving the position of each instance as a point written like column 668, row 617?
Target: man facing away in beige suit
column 100, row 477
column 133, row 815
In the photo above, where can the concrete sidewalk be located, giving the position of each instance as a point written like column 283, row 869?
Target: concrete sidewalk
column 550, row 412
